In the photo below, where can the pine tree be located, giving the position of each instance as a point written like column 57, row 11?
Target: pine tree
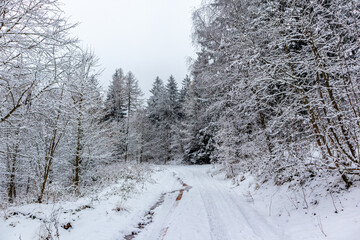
column 196, row 132
column 115, row 104
column 184, row 90
column 156, row 102
column 158, row 111
column 116, row 111
column 171, row 122
column 132, row 95
column 172, row 95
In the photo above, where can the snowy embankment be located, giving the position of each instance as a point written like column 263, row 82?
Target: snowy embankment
column 111, row 214
column 197, row 203
column 312, row 211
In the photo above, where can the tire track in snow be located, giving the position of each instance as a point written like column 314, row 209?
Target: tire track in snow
column 221, row 211
column 211, row 210
column 148, row 218
column 227, row 215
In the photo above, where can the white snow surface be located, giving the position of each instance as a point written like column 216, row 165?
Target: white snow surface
column 210, row 208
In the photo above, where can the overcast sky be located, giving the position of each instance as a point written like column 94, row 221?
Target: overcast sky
column 149, row 37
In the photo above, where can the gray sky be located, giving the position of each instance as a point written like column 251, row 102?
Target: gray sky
column 149, row 37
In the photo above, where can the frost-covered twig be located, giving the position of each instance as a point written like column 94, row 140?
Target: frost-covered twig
column 287, row 211
column 5, row 214
column 304, row 196
column 249, row 197
column 294, row 203
column 49, row 230
column 271, row 201
column 333, row 201
column 321, row 226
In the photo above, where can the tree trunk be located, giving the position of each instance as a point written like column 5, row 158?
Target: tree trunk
column 49, row 156
column 78, row 157
column 12, row 161
column 12, row 187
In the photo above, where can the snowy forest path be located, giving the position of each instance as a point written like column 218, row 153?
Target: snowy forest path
column 208, row 210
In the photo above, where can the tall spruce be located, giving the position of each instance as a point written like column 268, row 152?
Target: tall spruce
column 133, row 101
column 116, row 99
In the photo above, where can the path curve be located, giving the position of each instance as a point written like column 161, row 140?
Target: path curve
column 210, row 210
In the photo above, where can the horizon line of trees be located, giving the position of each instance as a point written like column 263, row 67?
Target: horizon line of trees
column 150, row 133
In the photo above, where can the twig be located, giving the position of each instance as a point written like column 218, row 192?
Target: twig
column 342, row 206
column 304, row 196
column 333, row 201
column 321, row 226
column 5, row 215
column 271, row 201
column 287, row 211
column 292, row 202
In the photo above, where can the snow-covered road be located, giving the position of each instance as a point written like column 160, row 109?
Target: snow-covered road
column 207, row 210
column 187, row 202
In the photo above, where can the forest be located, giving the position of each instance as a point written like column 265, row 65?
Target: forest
column 274, row 91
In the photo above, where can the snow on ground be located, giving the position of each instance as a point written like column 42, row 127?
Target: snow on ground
column 215, row 208
column 209, row 210
column 206, row 207
column 311, row 212
column 91, row 218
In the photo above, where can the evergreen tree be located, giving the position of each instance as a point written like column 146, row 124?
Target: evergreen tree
column 196, row 132
column 132, row 94
column 183, row 95
column 156, row 102
column 184, row 89
column 158, row 111
column 115, row 104
column 116, row 110
column 172, row 95
column 132, row 97
column 170, row 120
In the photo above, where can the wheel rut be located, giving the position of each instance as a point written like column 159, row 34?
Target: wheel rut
column 148, row 217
